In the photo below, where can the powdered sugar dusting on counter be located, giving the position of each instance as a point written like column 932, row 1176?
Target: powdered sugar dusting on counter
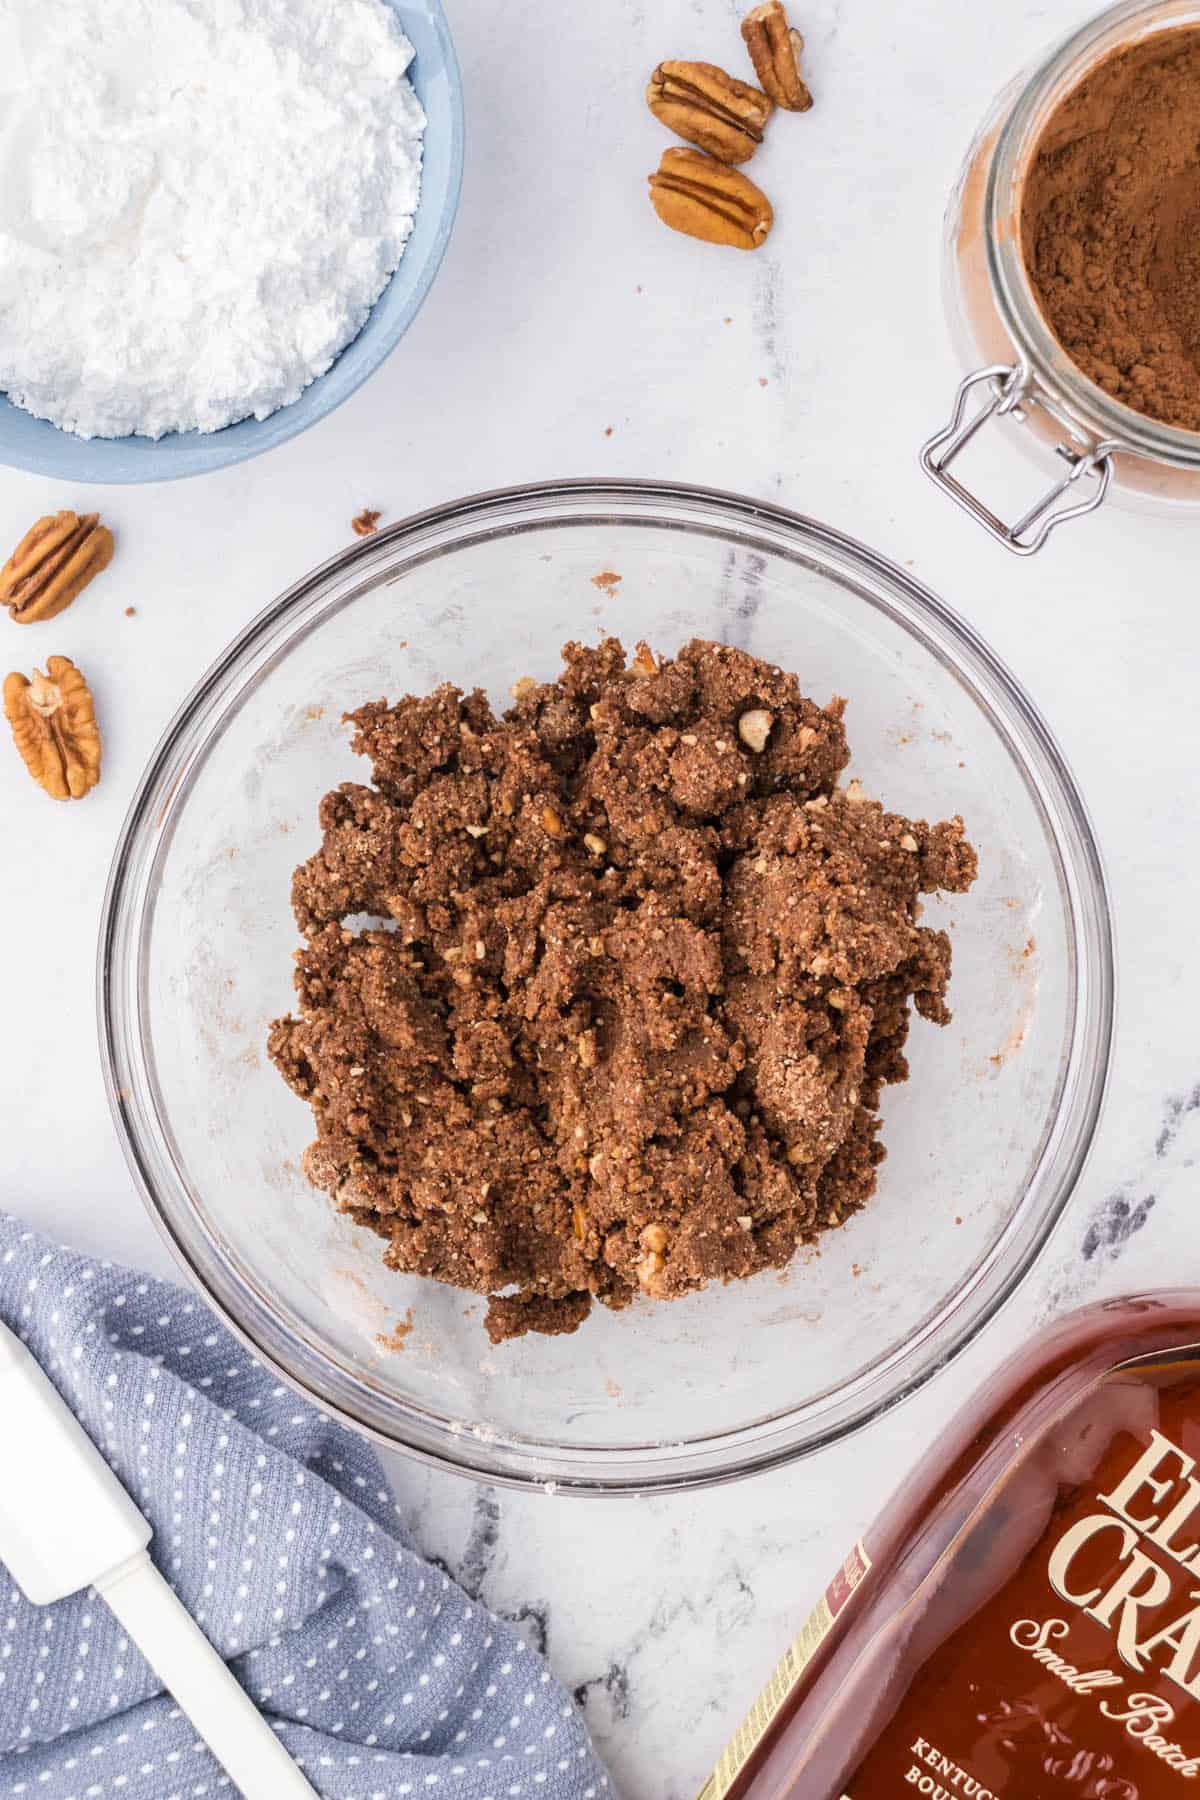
column 200, row 201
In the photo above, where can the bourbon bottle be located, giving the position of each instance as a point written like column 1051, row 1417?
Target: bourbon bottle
column 1023, row 1622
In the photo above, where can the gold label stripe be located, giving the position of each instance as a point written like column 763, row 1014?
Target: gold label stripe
column 758, row 1721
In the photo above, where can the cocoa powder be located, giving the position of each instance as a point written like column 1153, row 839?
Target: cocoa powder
column 1110, row 226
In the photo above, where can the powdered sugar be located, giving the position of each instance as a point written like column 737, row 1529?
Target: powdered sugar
column 200, row 200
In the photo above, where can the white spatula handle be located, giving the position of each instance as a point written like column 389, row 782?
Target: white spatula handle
column 66, row 1521
column 220, row 1709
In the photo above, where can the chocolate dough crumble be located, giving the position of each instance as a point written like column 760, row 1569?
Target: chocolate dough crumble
column 641, row 972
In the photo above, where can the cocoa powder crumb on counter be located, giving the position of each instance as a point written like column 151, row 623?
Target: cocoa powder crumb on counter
column 555, row 1073
column 1110, row 224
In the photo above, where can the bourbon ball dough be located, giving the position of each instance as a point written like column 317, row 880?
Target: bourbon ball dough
column 641, row 973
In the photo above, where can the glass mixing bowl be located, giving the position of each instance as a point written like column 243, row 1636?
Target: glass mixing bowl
column 985, row 1142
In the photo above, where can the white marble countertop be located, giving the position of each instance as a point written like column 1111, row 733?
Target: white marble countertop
column 570, row 334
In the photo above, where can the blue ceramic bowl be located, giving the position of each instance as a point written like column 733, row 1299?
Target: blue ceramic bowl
column 35, row 444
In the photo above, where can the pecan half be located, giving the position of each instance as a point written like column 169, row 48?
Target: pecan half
column 775, row 48
column 706, row 199
column 703, row 104
column 54, row 727
column 52, row 565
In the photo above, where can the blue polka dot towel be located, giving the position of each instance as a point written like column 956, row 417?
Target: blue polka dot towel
column 277, row 1530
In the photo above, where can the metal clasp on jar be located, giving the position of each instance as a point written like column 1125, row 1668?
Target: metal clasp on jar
column 1009, row 393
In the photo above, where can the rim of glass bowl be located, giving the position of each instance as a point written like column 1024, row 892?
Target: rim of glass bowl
column 632, row 1467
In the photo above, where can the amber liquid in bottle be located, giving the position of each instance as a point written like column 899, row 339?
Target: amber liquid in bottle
column 1024, row 1621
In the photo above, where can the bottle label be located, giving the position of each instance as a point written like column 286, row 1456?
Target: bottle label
column 754, row 1727
column 1078, row 1674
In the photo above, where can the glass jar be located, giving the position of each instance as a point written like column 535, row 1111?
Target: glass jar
column 1018, row 369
